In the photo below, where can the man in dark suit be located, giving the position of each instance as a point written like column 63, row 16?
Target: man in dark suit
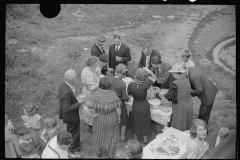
column 68, row 110
column 97, row 50
column 147, row 54
column 204, row 89
column 118, row 53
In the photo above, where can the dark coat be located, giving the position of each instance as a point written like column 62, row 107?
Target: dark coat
column 142, row 62
column 123, row 52
column 96, row 51
column 68, row 104
column 202, row 86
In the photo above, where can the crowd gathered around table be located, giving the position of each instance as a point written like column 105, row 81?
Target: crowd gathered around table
column 111, row 100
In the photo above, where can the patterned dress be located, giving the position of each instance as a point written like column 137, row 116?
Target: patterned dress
column 89, row 80
column 105, row 126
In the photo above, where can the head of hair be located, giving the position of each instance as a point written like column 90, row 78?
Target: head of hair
column 116, row 36
column 134, row 148
column 50, row 123
column 186, row 52
column 141, row 75
column 31, row 108
column 223, row 132
column 105, row 83
column 21, row 131
column 70, row 74
column 64, row 138
column 147, row 45
column 92, row 60
column 196, row 123
column 120, row 69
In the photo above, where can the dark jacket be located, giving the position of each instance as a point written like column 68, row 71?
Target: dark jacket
column 96, row 51
column 142, row 62
column 123, row 52
column 68, row 104
column 202, row 86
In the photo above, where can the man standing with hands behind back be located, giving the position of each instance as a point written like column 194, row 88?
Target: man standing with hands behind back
column 68, row 110
column 118, row 53
column 147, row 54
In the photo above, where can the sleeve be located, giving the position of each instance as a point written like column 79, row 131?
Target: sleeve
column 127, row 56
column 149, row 83
column 67, row 106
column 94, row 52
column 172, row 94
column 37, row 119
column 140, row 64
column 198, row 87
column 124, row 93
column 192, row 151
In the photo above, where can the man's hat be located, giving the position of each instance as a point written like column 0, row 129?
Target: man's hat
column 104, row 58
column 101, row 39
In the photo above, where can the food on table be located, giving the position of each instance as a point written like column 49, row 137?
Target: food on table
column 172, row 135
column 174, row 150
column 162, row 151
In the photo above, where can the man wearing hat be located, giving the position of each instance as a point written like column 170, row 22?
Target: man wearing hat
column 204, row 89
column 160, row 69
column 118, row 53
column 97, row 48
column 147, row 54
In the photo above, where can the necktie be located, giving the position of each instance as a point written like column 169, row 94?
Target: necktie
column 116, row 48
column 147, row 62
column 102, row 50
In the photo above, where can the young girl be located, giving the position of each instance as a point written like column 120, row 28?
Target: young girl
column 32, row 120
column 12, row 149
column 26, row 143
column 48, row 132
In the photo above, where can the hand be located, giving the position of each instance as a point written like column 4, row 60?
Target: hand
column 118, row 58
column 206, row 145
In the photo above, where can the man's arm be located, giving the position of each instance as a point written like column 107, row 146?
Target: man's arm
column 127, row 56
column 198, row 87
column 140, row 64
column 94, row 52
column 67, row 106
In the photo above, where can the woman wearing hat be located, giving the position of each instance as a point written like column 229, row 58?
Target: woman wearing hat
column 141, row 116
column 179, row 95
column 160, row 69
column 105, row 125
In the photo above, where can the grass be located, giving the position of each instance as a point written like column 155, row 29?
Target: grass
column 31, row 77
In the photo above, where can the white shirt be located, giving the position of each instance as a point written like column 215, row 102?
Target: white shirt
column 48, row 153
column 117, row 47
column 188, row 64
column 147, row 60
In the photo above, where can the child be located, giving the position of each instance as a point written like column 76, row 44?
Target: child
column 32, row 120
column 48, row 132
column 26, row 144
column 12, row 149
column 223, row 133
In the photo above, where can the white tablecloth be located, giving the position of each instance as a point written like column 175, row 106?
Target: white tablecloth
column 157, row 115
column 182, row 143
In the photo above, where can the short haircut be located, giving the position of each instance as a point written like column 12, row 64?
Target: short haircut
column 31, row 107
column 134, row 148
column 223, row 132
column 187, row 52
column 23, row 131
column 70, row 74
column 147, row 45
column 193, row 129
column 50, row 123
column 116, row 36
column 105, row 83
column 64, row 138
column 120, row 68
column 92, row 60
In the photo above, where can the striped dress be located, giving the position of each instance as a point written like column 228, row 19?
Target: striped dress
column 105, row 126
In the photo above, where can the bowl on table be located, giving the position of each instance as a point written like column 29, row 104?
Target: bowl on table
column 154, row 103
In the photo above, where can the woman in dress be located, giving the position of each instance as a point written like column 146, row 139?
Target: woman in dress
column 179, row 95
column 119, row 86
column 196, row 146
column 141, row 116
column 105, row 125
column 90, row 76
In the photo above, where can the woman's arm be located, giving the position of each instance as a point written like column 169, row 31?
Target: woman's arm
column 153, row 76
column 172, row 94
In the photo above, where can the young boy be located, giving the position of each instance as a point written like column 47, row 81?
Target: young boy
column 223, row 133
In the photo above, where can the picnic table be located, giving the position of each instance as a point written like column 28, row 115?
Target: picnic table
column 149, row 151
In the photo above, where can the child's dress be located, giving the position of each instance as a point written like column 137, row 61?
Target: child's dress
column 32, row 121
column 45, row 137
column 28, row 149
column 12, row 149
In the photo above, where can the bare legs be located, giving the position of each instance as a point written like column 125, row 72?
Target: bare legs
column 123, row 130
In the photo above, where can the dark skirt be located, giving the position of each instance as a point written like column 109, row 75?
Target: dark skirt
column 123, row 116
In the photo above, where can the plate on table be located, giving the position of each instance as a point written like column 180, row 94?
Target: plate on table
column 174, row 150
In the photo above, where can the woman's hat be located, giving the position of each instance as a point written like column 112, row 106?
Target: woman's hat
column 101, row 39
column 177, row 69
column 156, row 60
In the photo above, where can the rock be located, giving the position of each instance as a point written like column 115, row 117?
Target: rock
column 22, row 51
column 85, row 49
column 12, row 41
column 209, row 30
column 156, row 16
column 171, row 17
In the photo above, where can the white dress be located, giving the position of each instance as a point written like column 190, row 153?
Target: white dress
column 89, row 79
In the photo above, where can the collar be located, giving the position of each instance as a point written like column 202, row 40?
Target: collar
column 69, row 84
column 99, row 46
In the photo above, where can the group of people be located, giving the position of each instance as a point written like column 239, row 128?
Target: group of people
column 104, row 91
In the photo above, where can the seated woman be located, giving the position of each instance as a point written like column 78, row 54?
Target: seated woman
column 141, row 116
column 160, row 69
column 105, row 126
column 179, row 95
column 131, row 150
column 196, row 146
